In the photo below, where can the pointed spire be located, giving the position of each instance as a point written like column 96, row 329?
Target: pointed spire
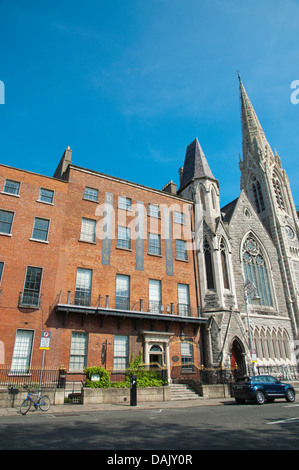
column 195, row 166
column 252, row 130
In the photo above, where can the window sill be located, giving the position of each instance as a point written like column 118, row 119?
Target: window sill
column 45, row 202
column 257, row 309
column 155, row 254
column 29, row 307
column 6, row 234
column 10, row 194
column 86, row 241
column 45, row 242
column 130, row 211
column 90, row 200
column 122, row 248
column 181, row 259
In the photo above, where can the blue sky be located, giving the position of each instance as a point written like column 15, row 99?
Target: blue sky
column 128, row 84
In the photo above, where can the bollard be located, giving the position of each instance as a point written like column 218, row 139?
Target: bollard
column 133, row 390
column 13, row 391
column 61, row 377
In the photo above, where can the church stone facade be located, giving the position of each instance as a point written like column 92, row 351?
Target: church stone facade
column 254, row 238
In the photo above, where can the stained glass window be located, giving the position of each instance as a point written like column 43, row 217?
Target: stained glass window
column 256, row 271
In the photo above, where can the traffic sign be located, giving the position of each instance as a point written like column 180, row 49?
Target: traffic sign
column 45, row 340
column 253, row 355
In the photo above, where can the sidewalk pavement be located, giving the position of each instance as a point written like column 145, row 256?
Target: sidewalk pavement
column 91, row 408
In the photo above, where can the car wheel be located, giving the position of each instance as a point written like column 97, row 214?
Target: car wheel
column 290, row 395
column 260, row 397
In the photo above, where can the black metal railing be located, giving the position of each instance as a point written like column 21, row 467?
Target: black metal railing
column 29, row 299
column 209, row 376
column 85, row 299
column 151, row 372
column 29, row 378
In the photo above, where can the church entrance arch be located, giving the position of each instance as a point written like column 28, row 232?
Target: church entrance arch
column 237, row 356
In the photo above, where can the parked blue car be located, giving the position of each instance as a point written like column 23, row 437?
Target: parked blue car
column 261, row 388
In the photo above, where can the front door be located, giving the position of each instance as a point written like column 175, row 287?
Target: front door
column 156, row 357
column 237, row 359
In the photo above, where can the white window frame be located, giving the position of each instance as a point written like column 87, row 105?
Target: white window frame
column 154, row 210
column 179, row 217
column 36, row 231
column 33, row 295
column 124, row 203
column 91, row 194
column 187, row 355
column 22, row 353
column 122, row 292
column 47, row 200
column 10, row 226
column 183, row 299
column 120, row 352
column 83, row 286
column 181, row 254
column 88, row 230
column 155, row 295
column 154, row 243
column 78, row 351
column 124, row 237
column 14, row 191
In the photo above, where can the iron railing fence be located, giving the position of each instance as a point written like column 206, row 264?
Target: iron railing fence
column 29, row 378
column 29, row 299
column 209, row 376
column 59, row 378
column 152, row 372
column 85, row 299
column 282, row 372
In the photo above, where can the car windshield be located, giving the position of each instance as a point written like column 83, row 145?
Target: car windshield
column 259, row 378
column 243, row 379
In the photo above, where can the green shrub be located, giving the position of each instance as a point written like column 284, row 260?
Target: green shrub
column 104, row 380
column 145, row 378
column 119, row 384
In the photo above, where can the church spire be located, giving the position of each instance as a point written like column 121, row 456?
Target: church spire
column 195, row 166
column 254, row 139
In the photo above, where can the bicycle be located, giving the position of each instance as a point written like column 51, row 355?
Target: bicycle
column 43, row 402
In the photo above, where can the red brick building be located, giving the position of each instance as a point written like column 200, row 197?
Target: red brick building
column 104, row 264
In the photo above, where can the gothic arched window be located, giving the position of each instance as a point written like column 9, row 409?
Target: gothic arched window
column 202, row 199
column 278, row 193
column 213, row 196
column 209, row 265
column 258, row 196
column 255, row 270
column 223, row 255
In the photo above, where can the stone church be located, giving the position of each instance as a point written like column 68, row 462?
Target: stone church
column 247, row 254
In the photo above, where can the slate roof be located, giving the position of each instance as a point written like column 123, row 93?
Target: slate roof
column 227, row 211
column 195, row 166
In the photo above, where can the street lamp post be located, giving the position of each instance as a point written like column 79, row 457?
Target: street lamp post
column 250, row 288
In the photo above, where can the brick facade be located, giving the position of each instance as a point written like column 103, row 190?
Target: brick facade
column 66, row 249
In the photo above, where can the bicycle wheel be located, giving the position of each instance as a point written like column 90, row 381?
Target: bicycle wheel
column 44, row 403
column 25, row 406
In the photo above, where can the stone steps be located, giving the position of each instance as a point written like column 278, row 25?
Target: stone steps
column 183, row 392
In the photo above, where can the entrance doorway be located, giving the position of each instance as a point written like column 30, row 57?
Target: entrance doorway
column 237, row 357
column 156, row 357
